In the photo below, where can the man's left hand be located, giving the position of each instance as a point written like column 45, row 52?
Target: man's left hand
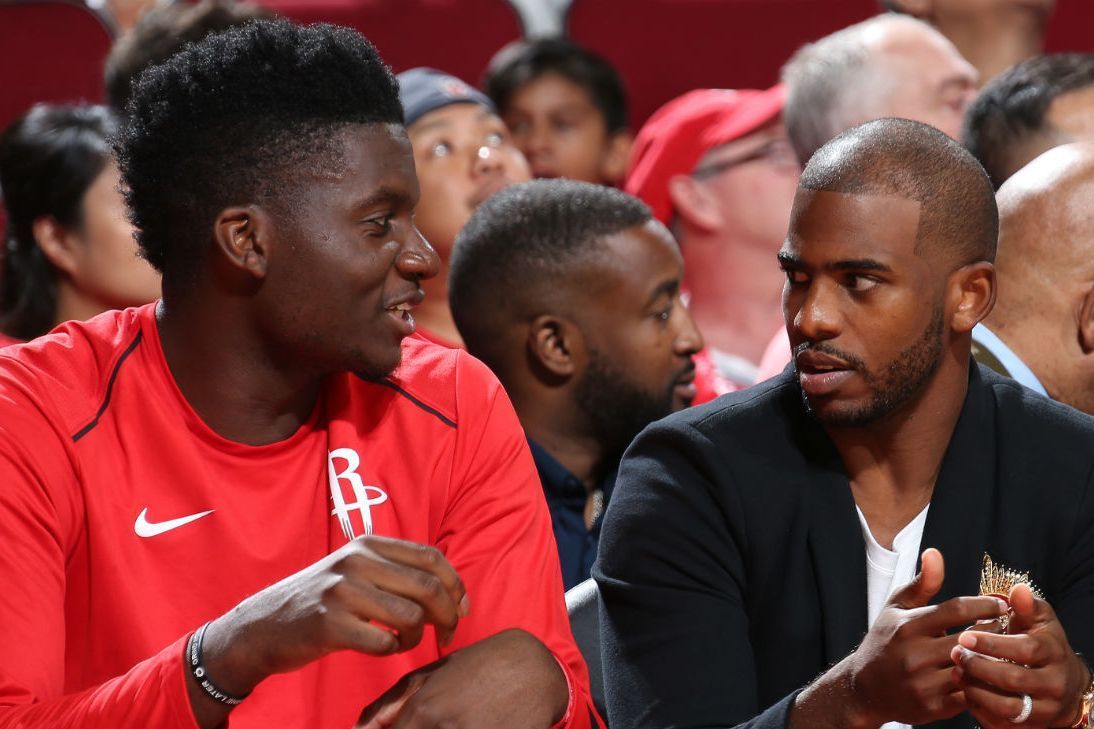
column 1041, row 665
column 507, row 681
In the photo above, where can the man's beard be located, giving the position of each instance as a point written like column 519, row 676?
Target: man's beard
column 617, row 408
column 900, row 381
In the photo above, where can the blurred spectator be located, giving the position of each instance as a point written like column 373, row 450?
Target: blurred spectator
column 1039, row 104
column 565, row 107
column 69, row 250
column 570, row 292
column 161, row 32
column 887, row 66
column 464, row 154
column 1041, row 331
column 993, row 34
column 126, row 12
column 716, row 166
column 776, row 355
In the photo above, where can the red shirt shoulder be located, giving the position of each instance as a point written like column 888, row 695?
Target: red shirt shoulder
column 69, row 371
column 441, row 379
column 430, row 336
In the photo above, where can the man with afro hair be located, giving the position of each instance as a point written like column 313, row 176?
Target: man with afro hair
column 263, row 497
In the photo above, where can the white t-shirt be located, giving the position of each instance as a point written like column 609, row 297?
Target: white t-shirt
column 887, row 570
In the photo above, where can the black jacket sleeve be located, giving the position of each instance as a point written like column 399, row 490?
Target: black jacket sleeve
column 671, row 572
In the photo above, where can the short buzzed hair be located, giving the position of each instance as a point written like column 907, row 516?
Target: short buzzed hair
column 520, row 254
column 1009, row 113
column 913, row 160
column 834, row 83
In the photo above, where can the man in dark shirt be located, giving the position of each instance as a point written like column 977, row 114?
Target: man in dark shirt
column 758, row 565
column 575, row 513
column 570, row 292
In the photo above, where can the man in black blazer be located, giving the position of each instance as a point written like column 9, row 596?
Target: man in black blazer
column 734, row 572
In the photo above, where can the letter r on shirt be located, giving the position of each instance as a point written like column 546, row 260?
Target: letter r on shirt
column 362, row 503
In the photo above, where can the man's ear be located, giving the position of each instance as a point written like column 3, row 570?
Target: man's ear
column 56, row 243
column 1086, row 321
column 694, row 203
column 242, row 236
column 972, row 291
column 555, row 346
column 614, row 164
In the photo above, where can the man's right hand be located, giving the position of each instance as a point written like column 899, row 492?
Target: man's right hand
column 902, row 671
column 374, row 595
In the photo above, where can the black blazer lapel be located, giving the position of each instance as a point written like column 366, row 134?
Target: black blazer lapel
column 836, row 547
column 959, row 520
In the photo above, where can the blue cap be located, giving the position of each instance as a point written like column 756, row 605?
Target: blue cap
column 422, row 90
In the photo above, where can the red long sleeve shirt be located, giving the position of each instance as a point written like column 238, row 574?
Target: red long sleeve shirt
column 126, row 523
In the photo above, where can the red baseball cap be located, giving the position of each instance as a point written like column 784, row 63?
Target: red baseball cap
column 678, row 134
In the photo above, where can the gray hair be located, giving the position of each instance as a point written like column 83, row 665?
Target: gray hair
column 835, row 83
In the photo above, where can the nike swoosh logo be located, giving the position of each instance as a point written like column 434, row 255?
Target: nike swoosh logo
column 145, row 528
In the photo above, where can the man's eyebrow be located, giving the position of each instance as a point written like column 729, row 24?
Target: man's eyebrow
column 858, row 264
column 665, row 288
column 790, row 261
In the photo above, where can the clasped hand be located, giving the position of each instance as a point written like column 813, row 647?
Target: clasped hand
column 910, row 667
column 1034, row 658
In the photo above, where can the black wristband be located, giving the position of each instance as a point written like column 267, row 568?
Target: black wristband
column 197, row 670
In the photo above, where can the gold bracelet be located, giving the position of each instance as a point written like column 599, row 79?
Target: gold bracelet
column 1087, row 702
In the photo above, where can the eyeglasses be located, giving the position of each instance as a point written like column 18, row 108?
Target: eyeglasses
column 776, row 152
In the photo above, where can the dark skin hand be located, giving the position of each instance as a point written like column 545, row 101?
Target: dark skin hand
column 507, row 681
column 1043, row 666
column 902, row 671
column 374, row 595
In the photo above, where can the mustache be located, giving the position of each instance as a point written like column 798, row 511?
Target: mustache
column 687, row 369
column 852, row 361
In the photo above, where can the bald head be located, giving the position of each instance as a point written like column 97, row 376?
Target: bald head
column 887, row 66
column 1046, row 224
column 1045, row 306
column 897, row 157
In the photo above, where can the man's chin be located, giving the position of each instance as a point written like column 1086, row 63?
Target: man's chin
column 373, row 368
column 832, row 413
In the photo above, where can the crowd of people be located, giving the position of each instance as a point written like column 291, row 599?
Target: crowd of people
column 320, row 385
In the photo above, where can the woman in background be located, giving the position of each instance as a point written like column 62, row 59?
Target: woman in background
column 69, row 251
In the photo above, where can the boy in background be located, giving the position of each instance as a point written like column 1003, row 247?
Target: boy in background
column 566, row 109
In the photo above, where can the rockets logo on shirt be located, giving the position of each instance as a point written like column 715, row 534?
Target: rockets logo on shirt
column 342, row 470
